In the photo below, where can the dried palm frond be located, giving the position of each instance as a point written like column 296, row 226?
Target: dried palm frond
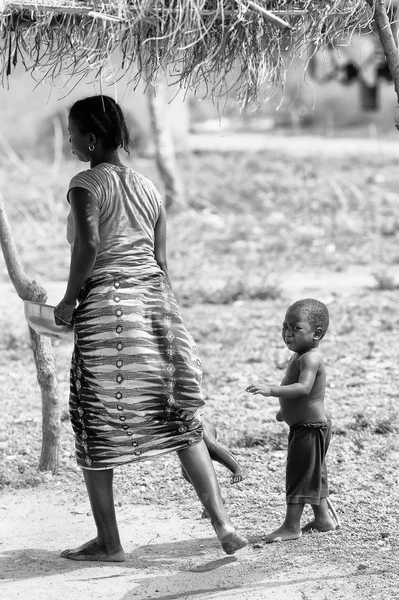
column 208, row 45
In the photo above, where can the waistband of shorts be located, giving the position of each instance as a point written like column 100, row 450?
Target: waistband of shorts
column 320, row 425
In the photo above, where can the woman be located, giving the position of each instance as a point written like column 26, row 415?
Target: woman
column 136, row 373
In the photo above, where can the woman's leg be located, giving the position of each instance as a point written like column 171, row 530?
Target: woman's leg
column 106, row 546
column 197, row 464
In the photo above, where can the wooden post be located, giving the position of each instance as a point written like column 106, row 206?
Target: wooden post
column 165, row 156
column 385, row 29
column 41, row 347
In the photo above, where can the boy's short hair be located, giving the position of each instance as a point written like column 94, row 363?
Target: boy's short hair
column 316, row 312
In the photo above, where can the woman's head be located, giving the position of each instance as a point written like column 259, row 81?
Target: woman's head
column 97, row 119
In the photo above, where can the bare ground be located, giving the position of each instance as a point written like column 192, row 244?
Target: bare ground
column 171, row 555
column 171, row 552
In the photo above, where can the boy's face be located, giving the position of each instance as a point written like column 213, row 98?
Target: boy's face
column 298, row 334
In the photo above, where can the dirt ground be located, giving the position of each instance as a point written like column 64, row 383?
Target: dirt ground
column 171, row 552
column 170, row 556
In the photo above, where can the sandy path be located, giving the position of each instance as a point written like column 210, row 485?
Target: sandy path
column 169, row 557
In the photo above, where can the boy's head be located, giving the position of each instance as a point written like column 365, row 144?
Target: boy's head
column 314, row 311
column 306, row 321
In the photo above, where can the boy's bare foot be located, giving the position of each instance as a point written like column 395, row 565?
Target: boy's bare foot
column 92, row 550
column 324, row 525
column 283, row 534
column 238, row 476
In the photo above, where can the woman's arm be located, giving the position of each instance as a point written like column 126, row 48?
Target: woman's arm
column 85, row 215
column 160, row 243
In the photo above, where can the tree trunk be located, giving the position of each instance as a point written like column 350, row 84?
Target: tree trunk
column 165, row 157
column 385, row 28
column 41, row 347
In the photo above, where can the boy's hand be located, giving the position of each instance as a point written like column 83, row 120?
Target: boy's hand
column 254, row 389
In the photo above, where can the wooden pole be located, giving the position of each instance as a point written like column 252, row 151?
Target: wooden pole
column 382, row 11
column 164, row 150
column 41, row 347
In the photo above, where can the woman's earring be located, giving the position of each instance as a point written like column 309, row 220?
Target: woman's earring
column 91, row 147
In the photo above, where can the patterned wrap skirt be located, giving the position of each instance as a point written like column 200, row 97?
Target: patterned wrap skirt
column 135, row 388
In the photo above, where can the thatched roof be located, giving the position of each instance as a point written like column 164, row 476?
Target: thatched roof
column 212, row 44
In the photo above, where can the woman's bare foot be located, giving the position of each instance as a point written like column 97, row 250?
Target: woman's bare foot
column 92, row 550
column 238, row 476
column 232, row 542
column 326, row 524
column 283, row 534
column 229, row 538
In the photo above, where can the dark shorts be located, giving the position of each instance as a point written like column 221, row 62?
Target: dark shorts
column 306, row 475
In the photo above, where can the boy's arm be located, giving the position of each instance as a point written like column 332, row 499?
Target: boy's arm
column 308, row 367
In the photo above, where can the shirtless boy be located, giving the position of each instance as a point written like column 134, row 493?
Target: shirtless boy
column 301, row 397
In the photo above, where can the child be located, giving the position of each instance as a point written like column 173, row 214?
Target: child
column 301, row 397
column 220, row 455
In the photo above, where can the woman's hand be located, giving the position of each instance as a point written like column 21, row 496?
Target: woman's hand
column 63, row 312
column 264, row 391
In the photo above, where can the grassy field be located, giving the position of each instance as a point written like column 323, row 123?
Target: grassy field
column 250, row 218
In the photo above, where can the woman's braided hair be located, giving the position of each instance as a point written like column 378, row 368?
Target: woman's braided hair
column 102, row 116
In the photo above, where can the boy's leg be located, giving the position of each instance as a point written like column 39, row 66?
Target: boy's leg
column 197, row 463
column 291, row 528
column 299, row 483
column 106, row 546
column 322, row 519
column 221, row 455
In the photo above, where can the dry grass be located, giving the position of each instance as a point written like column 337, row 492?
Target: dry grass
column 249, row 217
column 236, row 45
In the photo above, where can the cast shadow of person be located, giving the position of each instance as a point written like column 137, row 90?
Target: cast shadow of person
column 17, row 565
